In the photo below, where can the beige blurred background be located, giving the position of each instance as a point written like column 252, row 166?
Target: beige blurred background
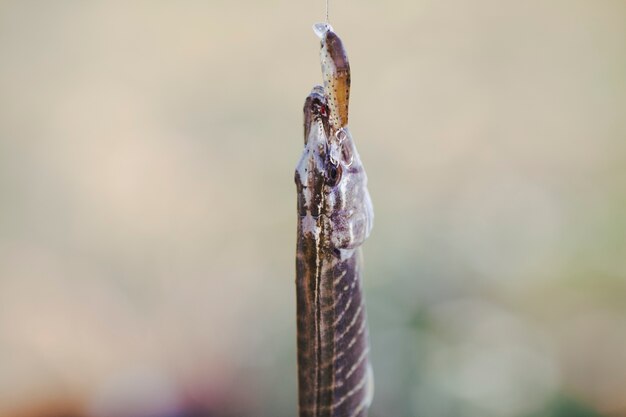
column 147, row 204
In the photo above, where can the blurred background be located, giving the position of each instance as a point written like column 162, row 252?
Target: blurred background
column 147, row 204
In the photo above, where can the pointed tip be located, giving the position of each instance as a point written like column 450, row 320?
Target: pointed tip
column 321, row 29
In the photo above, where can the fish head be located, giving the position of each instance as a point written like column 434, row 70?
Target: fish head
column 331, row 180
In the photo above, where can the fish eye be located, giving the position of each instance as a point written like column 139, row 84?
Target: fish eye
column 320, row 108
column 333, row 174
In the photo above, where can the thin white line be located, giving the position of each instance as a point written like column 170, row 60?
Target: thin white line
column 358, row 362
column 343, row 313
column 354, row 339
column 358, row 409
column 352, row 323
column 340, row 277
column 351, row 392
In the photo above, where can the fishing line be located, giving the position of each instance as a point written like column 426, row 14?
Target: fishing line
column 327, row 11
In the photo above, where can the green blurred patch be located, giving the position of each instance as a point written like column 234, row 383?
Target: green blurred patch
column 564, row 405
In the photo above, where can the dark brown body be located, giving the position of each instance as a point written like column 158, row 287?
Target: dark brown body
column 333, row 366
column 334, row 218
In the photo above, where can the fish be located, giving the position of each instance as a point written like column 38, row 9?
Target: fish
column 335, row 217
column 336, row 74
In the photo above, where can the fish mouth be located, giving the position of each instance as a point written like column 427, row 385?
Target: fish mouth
column 316, row 112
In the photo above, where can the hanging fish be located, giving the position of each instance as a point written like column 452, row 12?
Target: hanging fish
column 335, row 216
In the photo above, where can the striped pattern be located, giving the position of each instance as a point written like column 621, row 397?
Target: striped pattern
column 333, row 366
